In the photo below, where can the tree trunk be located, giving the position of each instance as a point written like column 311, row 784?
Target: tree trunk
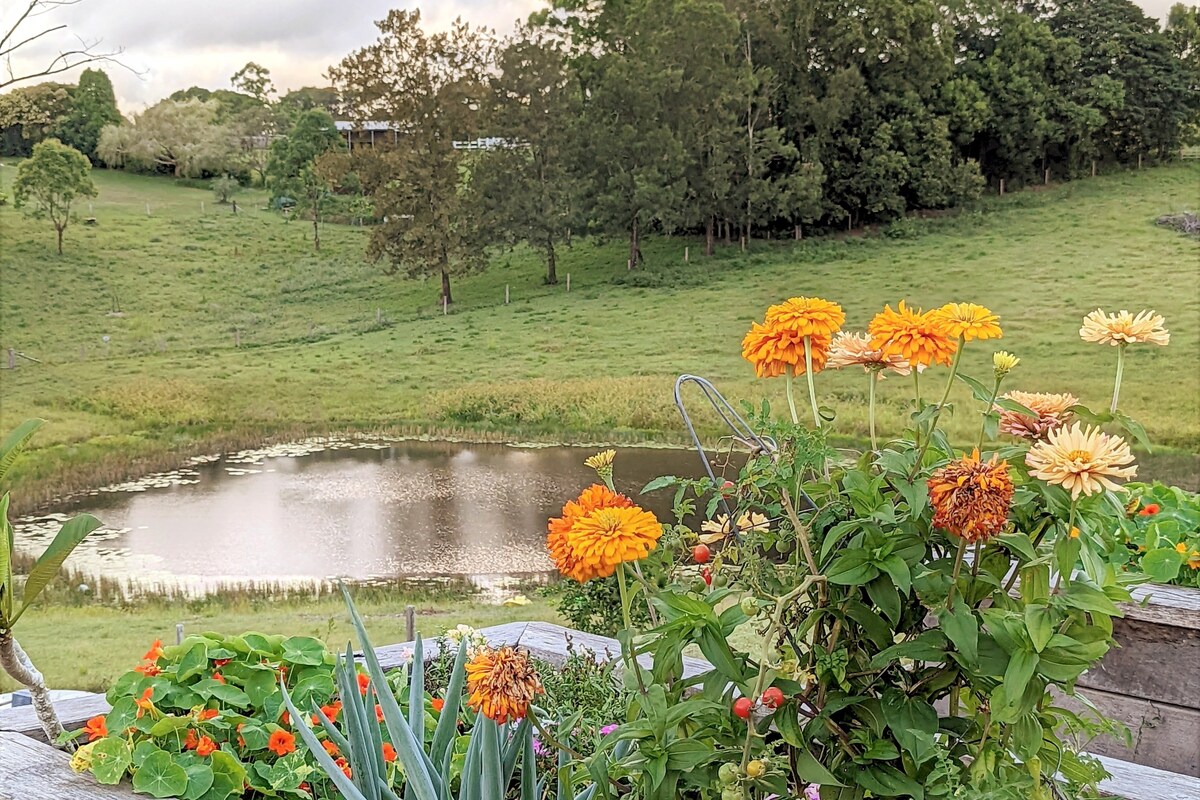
column 551, row 262
column 799, row 232
column 316, row 229
column 59, row 230
column 446, row 298
column 635, row 253
column 709, row 224
column 725, row 230
column 18, row 665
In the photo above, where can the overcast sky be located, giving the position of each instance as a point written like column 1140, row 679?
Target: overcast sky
column 179, row 43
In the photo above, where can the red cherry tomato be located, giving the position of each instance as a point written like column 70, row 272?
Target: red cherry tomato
column 742, row 707
column 704, row 573
column 701, row 553
column 772, row 698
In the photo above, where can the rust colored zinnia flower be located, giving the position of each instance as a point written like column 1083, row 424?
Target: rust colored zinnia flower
column 96, row 728
column 919, row 338
column 590, row 499
column 1053, row 411
column 971, row 497
column 807, row 316
column 969, row 321
column 1124, row 328
column 607, row 538
column 281, row 743
column 856, row 350
column 773, row 350
column 502, row 683
column 1081, row 460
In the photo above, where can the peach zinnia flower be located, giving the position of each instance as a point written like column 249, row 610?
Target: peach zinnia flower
column 717, row 529
column 855, row 349
column 607, row 538
column 1053, row 411
column 96, row 728
column 502, row 683
column 1081, row 460
column 971, row 497
column 773, row 350
column 920, row 338
column 1124, row 328
column 969, row 321
column 807, row 316
column 590, row 499
column 281, row 743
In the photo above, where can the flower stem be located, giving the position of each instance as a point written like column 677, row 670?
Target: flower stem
column 792, row 400
column 1117, row 383
column 808, row 373
column 958, row 560
column 917, row 385
column 991, row 404
column 938, row 411
column 873, row 376
column 631, row 656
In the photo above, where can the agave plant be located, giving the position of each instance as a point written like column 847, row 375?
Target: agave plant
column 14, row 659
column 492, row 756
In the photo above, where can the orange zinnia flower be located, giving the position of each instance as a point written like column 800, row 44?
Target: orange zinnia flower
column 281, row 743
column 206, row 747
column 971, row 497
column 96, row 728
column 143, row 703
column 389, row 752
column 502, row 683
column 608, row 537
column 968, row 321
column 330, row 748
column 773, row 350
column 919, row 338
column 590, row 499
column 807, row 316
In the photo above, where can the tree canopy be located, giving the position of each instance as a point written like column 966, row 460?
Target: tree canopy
column 52, row 178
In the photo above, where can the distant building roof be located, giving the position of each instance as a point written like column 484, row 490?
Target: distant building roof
column 366, row 125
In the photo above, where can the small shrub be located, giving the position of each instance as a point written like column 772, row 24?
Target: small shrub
column 225, row 187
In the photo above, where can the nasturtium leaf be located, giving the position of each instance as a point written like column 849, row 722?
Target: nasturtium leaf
column 159, row 776
column 269, row 646
column 261, row 684
column 110, row 759
column 194, row 662
column 304, row 650
column 1162, row 564
column 200, row 780
column 317, row 687
column 228, row 774
column 144, row 749
column 289, row 772
column 168, row 725
column 255, row 736
column 122, row 687
column 122, row 715
column 208, row 688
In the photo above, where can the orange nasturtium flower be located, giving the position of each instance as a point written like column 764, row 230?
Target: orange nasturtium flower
column 191, row 741
column 208, row 713
column 331, row 748
column 155, row 652
column 364, row 681
column 389, row 752
column 149, row 669
column 344, row 766
column 96, row 728
column 971, row 497
column 218, row 677
column 438, row 704
column 206, row 747
column 502, row 683
column 968, row 321
column 590, row 499
column 281, row 743
column 921, row 339
column 144, row 703
column 1194, row 559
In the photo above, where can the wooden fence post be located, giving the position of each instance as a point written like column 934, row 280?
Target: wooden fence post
column 445, row 305
column 147, row 209
column 12, row 358
column 178, row 633
column 1139, row 160
column 1093, row 167
column 568, row 281
column 685, row 255
column 410, row 623
column 1002, row 187
column 1047, row 180
column 506, row 294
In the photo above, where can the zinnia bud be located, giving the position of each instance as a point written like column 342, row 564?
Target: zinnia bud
column 1003, row 362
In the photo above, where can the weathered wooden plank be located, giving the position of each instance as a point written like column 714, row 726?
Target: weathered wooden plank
column 1154, row 662
column 1137, row 782
column 72, row 713
column 1167, row 605
column 395, row 655
column 32, row 770
column 1164, row 736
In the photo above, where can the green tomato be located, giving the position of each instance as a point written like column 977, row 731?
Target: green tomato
column 699, row 586
column 749, row 606
column 728, row 774
column 720, row 580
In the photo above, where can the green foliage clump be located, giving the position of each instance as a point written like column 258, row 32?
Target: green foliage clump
column 1161, row 534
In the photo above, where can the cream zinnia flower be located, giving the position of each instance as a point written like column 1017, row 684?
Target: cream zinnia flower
column 854, row 349
column 717, row 529
column 1124, row 328
column 1053, row 411
column 1081, row 460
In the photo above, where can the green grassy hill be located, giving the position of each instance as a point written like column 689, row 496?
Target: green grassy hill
column 328, row 341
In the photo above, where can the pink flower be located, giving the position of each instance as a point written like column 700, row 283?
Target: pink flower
column 812, row 792
column 607, row 729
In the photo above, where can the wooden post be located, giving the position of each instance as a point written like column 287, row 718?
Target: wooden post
column 202, row 207
column 743, row 240
column 445, row 305
column 237, row 338
column 90, row 214
column 147, row 209
column 1093, row 167
column 685, row 255
column 568, row 281
column 1002, row 187
column 178, row 633
column 379, row 316
column 1139, row 160
column 410, row 623
column 12, row 358
column 506, row 294
column 1047, row 180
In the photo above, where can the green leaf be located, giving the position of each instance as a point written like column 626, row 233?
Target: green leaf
column 1088, row 598
column 1019, row 544
column 887, row 781
column 15, row 442
column 159, row 776
column 110, row 758
column 208, row 688
column 1039, row 621
column 1035, row 583
column 6, row 549
column 895, row 566
column 69, row 536
column 852, row 568
column 659, row 483
column 978, row 390
column 200, row 780
column 1134, row 429
column 194, row 662
column 229, row 776
column 259, row 686
column 1162, row 564
column 812, row 771
column 962, row 627
column 168, row 725
column 1021, row 666
column 927, row 646
column 883, row 594
column 907, row 716
column 304, row 650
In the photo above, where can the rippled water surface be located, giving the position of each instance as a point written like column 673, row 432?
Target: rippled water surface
column 364, row 510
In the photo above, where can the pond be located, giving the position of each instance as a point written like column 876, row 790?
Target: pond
column 364, row 510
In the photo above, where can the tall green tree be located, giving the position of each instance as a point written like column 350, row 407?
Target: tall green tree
column 30, row 114
column 526, row 187
column 291, row 169
column 93, row 106
column 52, row 178
column 183, row 137
column 433, row 88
